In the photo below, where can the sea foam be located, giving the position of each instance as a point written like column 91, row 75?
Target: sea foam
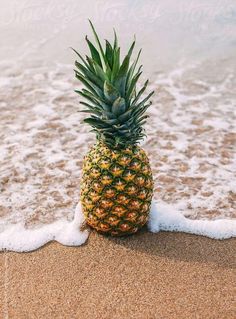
column 163, row 217
column 18, row 238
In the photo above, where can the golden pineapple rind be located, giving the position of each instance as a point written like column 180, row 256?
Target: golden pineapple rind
column 116, row 189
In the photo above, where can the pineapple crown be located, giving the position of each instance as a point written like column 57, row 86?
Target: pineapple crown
column 116, row 110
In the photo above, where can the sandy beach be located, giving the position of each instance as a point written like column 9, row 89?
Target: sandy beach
column 146, row 276
column 189, row 56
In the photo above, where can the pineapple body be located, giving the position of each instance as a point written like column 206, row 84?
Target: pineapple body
column 116, row 189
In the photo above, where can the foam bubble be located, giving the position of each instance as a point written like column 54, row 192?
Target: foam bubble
column 165, row 217
column 18, row 238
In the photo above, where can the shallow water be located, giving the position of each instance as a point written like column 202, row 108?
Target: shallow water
column 191, row 142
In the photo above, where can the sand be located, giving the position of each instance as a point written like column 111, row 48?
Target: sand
column 163, row 275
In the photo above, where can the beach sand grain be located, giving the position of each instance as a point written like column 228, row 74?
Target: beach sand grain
column 165, row 275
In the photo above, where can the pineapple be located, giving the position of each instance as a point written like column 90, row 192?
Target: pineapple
column 117, row 183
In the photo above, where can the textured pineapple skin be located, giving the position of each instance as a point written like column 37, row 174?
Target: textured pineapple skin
column 116, row 189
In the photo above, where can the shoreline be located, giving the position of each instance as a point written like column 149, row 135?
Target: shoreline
column 162, row 217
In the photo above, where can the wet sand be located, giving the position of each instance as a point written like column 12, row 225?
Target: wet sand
column 164, row 275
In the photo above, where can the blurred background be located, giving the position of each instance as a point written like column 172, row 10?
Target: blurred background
column 167, row 30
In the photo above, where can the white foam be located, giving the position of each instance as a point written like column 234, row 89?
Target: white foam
column 18, row 238
column 164, row 217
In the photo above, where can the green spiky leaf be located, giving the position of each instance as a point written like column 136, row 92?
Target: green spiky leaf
column 94, row 53
column 116, row 110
